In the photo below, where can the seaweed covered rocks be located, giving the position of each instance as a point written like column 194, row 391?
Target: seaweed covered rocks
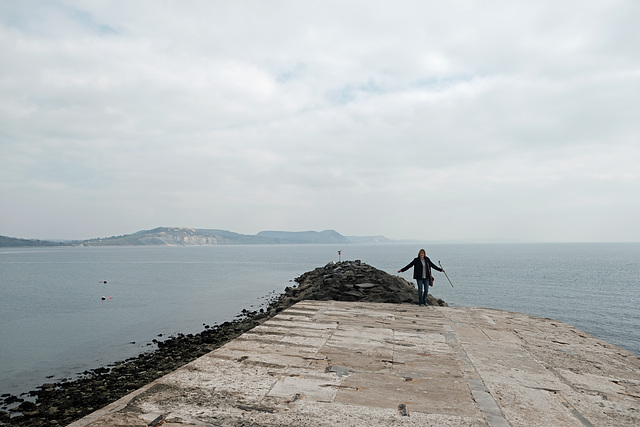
column 63, row 402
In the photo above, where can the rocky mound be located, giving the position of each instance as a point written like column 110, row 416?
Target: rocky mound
column 66, row 401
column 350, row 281
column 355, row 281
column 347, row 281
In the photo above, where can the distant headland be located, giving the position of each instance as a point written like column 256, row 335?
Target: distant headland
column 185, row 236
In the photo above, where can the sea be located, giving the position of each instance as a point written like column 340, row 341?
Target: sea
column 67, row 310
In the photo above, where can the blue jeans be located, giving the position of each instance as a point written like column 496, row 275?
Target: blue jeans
column 423, row 290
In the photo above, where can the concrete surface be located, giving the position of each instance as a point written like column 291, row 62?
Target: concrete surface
column 366, row 364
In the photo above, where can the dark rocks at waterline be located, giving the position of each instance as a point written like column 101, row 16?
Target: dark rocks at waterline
column 63, row 402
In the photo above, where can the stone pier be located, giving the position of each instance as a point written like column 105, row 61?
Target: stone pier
column 329, row 363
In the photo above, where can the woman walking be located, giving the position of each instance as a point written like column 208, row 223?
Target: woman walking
column 422, row 273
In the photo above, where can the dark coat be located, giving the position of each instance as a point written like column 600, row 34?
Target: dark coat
column 417, row 267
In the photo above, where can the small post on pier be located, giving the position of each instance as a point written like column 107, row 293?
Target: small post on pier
column 339, row 257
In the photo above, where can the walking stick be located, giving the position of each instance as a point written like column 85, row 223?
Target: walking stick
column 445, row 273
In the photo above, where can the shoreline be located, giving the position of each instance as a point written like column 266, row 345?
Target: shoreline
column 66, row 401
column 70, row 400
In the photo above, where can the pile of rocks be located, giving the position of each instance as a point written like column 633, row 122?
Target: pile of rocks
column 353, row 281
column 65, row 401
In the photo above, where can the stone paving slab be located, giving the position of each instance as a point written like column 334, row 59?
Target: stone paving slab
column 328, row 363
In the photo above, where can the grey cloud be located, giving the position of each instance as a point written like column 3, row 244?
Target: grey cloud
column 254, row 115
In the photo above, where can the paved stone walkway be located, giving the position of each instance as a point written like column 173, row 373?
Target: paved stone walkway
column 366, row 364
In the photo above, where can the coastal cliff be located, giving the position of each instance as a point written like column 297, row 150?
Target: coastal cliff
column 187, row 236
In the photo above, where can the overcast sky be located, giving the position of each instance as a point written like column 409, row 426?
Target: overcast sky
column 449, row 121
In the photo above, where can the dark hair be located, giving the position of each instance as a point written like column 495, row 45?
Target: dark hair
column 422, row 250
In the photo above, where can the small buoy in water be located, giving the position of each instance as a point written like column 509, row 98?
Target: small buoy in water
column 103, row 298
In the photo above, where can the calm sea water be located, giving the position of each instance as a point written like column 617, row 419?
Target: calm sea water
column 54, row 323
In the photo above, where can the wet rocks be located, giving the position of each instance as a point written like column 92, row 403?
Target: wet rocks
column 67, row 401
column 63, row 402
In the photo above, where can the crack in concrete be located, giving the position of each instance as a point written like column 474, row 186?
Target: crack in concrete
column 481, row 394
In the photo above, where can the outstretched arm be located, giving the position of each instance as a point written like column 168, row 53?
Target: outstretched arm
column 435, row 266
column 406, row 268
